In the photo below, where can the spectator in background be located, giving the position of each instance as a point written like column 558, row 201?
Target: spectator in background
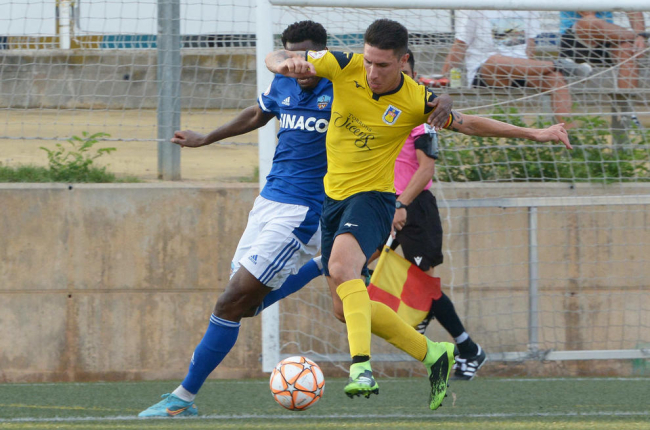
column 593, row 37
column 498, row 49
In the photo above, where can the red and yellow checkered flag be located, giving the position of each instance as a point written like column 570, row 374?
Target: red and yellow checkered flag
column 403, row 287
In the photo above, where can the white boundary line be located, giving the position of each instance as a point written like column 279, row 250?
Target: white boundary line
column 339, row 416
column 265, row 382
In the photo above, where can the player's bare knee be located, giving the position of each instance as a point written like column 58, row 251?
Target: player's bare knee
column 340, row 272
column 232, row 305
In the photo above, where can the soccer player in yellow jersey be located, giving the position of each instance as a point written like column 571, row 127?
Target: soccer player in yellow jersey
column 375, row 108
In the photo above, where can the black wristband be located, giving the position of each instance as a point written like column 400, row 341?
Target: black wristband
column 400, row 205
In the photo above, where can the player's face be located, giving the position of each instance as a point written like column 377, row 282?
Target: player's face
column 383, row 68
column 306, row 45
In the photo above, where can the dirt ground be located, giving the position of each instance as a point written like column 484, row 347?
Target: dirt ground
column 25, row 131
column 133, row 133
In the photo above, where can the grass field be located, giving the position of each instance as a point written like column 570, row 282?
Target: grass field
column 486, row 404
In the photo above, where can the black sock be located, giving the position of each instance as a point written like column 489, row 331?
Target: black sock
column 446, row 315
column 360, row 359
column 467, row 348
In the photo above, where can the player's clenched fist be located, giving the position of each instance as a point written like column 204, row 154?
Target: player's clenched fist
column 297, row 68
column 290, row 64
column 188, row 138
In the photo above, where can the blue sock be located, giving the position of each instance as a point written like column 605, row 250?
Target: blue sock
column 311, row 270
column 215, row 345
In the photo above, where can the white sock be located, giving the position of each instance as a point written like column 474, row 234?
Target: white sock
column 318, row 262
column 462, row 338
column 183, row 394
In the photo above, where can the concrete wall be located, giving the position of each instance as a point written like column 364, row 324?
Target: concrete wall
column 211, row 78
column 115, row 282
column 124, row 79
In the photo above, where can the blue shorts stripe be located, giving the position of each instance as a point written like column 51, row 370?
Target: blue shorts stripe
column 284, row 262
column 280, row 261
column 270, row 266
column 286, row 253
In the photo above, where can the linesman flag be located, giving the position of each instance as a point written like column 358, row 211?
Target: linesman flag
column 403, row 287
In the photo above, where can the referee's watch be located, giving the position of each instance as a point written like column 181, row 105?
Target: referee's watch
column 400, row 205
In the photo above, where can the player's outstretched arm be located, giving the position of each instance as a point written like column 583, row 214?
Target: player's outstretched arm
column 249, row 119
column 477, row 126
column 290, row 63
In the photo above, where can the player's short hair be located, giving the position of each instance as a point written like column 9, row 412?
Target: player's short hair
column 411, row 59
column 305, row 30
column 387, row 34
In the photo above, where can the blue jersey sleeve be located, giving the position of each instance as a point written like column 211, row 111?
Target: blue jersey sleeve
column 268, row 100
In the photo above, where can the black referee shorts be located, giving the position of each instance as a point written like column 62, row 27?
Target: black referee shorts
column 421, row 236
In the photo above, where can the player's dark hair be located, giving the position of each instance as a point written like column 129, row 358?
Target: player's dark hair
column 387, row 34
column 305, row 30
column 411, row 59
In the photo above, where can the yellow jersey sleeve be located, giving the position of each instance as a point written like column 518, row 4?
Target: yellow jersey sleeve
column 329, row 64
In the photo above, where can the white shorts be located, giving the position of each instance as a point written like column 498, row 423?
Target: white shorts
column 279, row 239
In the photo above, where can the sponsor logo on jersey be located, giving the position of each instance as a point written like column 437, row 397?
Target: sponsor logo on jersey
column 317, row 54
column 354, row 125
column 299, row 122
column 349, row 224
column 323, row 101
column 253, row 259
column 358, row 85
column 391, row 115
column 418, row 260
column 286, row 101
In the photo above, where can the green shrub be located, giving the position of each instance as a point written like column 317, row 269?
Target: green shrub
column 67, row 165
column 593, row 159
column 76, row 164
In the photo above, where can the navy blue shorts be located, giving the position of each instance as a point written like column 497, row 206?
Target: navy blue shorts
column 368, row 216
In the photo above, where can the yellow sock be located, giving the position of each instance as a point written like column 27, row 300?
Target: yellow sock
column 356, row 309
column 389, row 326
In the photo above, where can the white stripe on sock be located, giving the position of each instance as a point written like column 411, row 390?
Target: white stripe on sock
column 462, row 338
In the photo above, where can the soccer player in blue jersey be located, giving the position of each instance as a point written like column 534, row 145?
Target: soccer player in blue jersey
column 283, row 232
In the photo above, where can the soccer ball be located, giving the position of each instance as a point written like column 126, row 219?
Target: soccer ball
column 297, row 383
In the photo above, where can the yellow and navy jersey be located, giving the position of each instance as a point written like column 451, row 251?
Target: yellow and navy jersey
column 366, row 130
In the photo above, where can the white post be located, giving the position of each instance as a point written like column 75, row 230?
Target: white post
column 266, row 137
column 65, row 31
column 533, row 278
column 168, row 72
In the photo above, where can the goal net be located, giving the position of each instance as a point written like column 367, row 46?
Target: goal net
column 545, row 249
column 69, row 66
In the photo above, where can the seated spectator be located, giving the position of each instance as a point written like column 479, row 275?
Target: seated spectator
column 594, row 38
column 498, row 49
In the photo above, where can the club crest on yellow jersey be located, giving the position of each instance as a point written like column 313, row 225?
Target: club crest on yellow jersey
column 391, row 115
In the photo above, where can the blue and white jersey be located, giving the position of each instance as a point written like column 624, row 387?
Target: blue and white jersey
column 300, row 160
